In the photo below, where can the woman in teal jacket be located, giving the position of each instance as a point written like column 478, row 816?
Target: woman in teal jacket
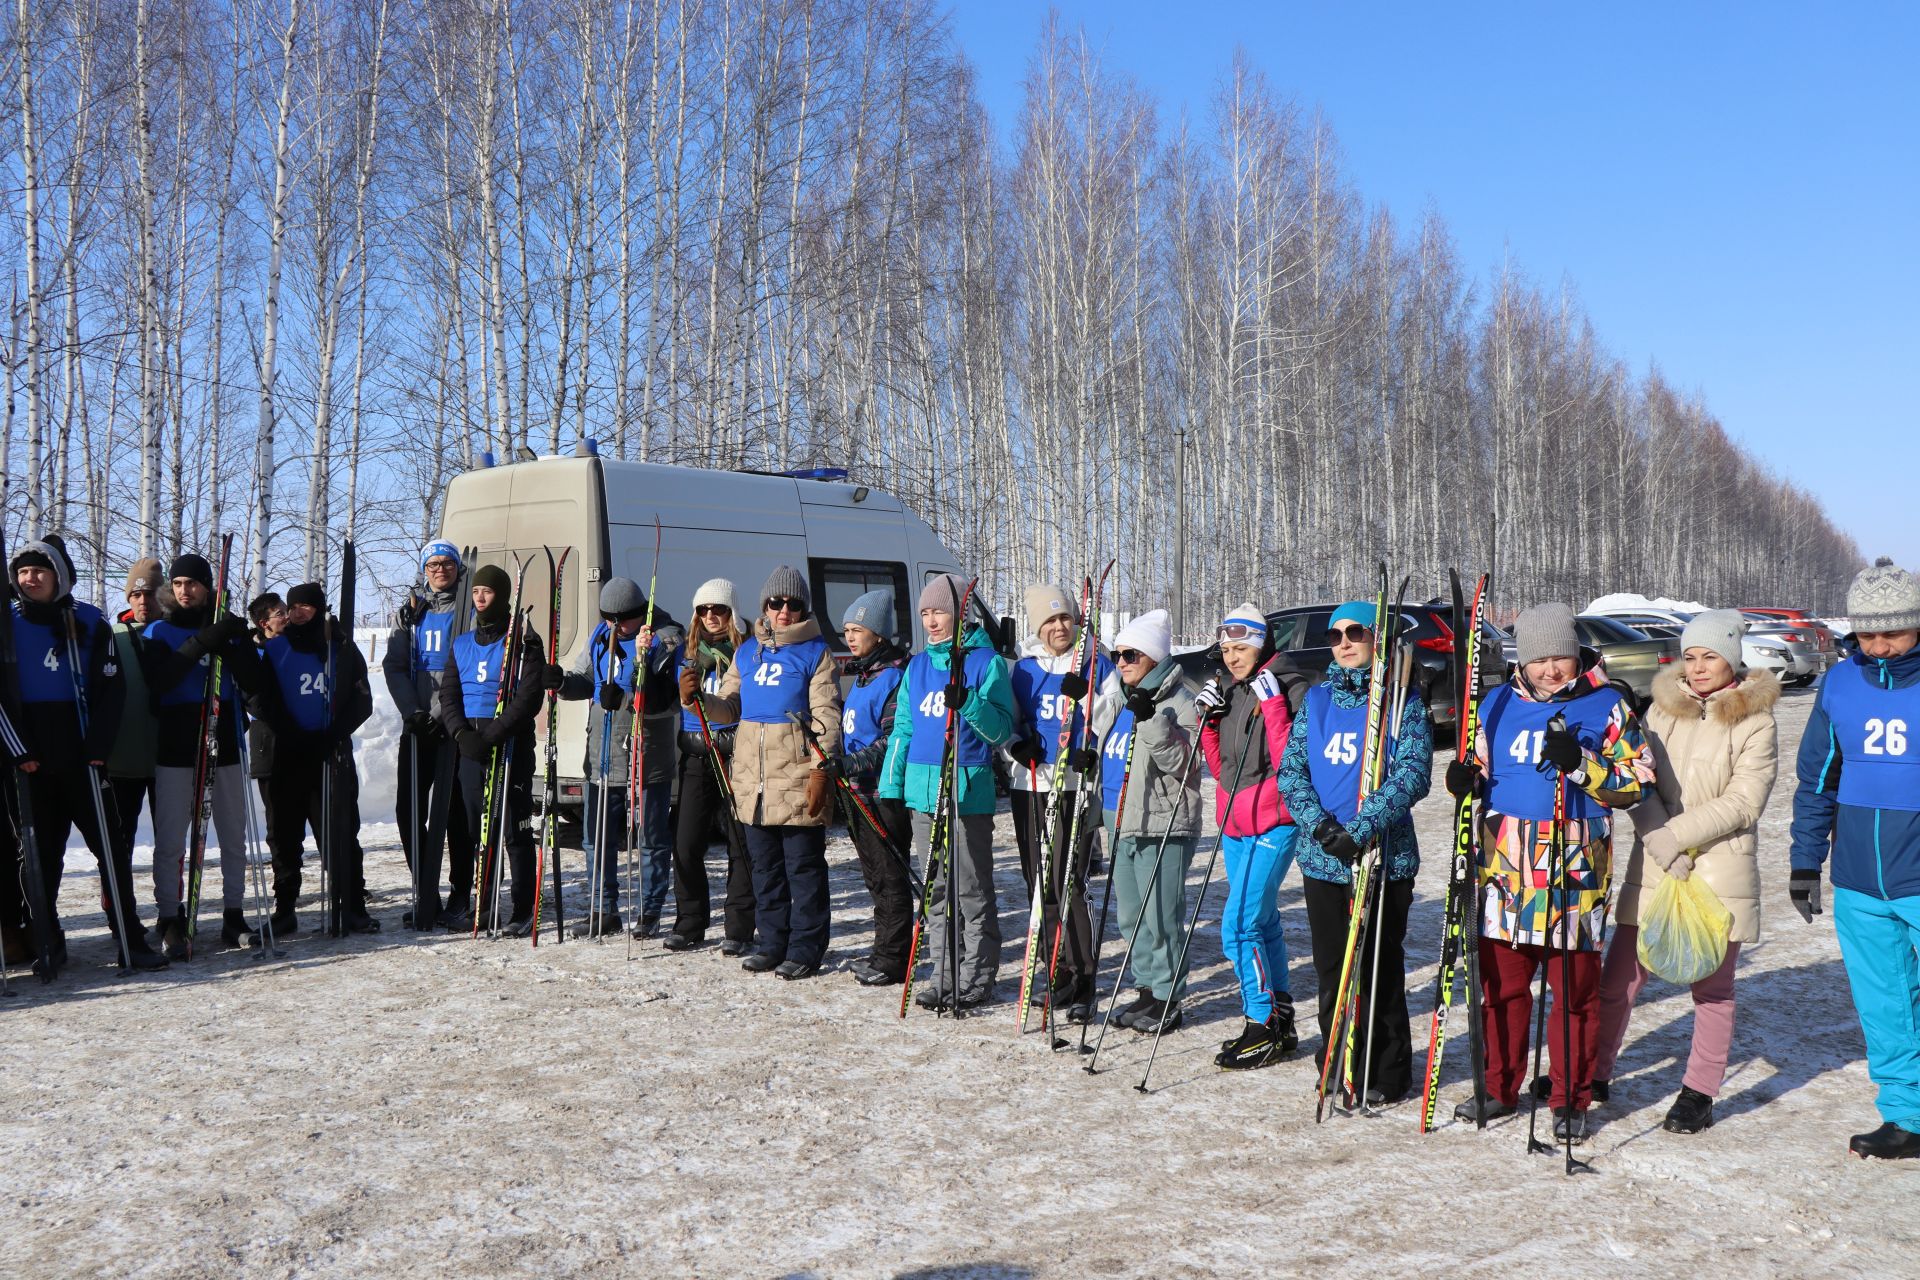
column 981, row 694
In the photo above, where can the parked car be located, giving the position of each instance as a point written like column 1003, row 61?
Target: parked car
column 1300, row 634
column 1762, row 652
column 1822, row 647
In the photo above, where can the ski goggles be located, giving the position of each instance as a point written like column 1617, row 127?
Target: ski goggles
column 1239, row 632
column 1352, row 633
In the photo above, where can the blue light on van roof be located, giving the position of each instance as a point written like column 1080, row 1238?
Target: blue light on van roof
column 817, row 473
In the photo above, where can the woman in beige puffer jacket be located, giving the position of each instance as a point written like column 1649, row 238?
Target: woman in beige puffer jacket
column 1714, row 746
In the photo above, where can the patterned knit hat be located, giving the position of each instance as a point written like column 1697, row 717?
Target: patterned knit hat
column 1883, row 598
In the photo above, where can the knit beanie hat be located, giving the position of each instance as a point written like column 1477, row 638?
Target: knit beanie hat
column 1047, row 601
column 144, row 575
column 1716, row 629
column 189, row 565
column 34, row 555
column 1251, row 616
column 720, row 591
column 1360, row 611
column 439, row 547
column 943, row 592
column 621, row 599
column 1883, row 598
column 786, row 581
column 873, row 611
column 1545, row 631
column 1151, row 633
column 311, row 594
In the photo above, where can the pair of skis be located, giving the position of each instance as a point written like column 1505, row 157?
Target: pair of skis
column 550, row 800
column 331, row 888
column 494, row 809
column 1460, row 936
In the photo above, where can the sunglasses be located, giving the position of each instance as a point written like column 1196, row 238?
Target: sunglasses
column 783, row 604
column 1242, row 633
column 1129, row 656
column 710, row 610
column 1353, row 633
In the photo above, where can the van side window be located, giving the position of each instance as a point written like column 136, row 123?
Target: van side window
column 838, row 583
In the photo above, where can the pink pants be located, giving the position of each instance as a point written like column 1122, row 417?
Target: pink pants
column 1621, row 978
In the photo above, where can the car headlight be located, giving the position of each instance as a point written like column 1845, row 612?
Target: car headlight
column 1768, row 651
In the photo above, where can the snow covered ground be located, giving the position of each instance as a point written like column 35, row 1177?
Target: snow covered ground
column 391, row 1106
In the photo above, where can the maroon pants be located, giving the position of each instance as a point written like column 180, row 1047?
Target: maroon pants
column 1506, row 974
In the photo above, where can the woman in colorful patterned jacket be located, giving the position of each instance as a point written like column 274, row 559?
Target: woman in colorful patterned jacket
column 1556, row 723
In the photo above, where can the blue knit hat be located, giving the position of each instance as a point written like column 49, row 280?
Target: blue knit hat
column 874, row 611
column 1360, row 611
column 440, row 547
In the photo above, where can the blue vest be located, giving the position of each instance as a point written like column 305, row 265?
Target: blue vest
column 926, row 696
column 191, row 689
column 860, row 723
column 709, row 684
column 303, row 683
column 41, row 649
column 1514, row 727
column 1036, row 692
column 1337, row 737
column 430, row 637
column 774, row 682
column 1875, row 728
column 1113, row 759
column 479, row 667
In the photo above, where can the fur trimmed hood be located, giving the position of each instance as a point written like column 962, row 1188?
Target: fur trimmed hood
column 1754, row 692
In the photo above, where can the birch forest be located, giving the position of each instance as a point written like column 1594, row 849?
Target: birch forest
column 281, row 268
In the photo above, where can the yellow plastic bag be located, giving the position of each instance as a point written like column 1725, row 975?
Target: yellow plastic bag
column 1683, row 930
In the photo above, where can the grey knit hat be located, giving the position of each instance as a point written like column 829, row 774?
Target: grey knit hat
column 1883, row 598
column 1716, row 629
column 621, row 599
column 942, row 591
column 1546, row 631
column 873, row 611
column 786, row 581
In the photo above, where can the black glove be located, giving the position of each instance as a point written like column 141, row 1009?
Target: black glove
column 1142, row 703
column 495, row 732
column 612, row 696
column 471, row 744
column 1025, row 751
column 412, row 611
column 1334, row 839
column 956, row 695
column 1084, row 760
column 1074, row 685
column 420, row 724
column 1803, row 890
column 552, row 677
column 216, row 635
column 1463, row 777
column 1559, row 748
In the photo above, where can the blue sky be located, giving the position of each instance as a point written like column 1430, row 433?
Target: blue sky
column 1734, row 190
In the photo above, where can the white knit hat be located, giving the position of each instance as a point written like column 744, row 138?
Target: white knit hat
column 1716, row 629
column 1151, row 633
column 716, row 591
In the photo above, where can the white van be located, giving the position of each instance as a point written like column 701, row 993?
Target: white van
column 846, row 538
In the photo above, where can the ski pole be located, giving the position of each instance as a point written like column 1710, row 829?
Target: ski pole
column 257, row 864
column 1193, row 922
column 1534, row 1145
column 1402, row 655
column 1139, row 918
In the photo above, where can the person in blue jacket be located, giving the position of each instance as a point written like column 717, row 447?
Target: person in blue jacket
column 871, row 628
column 1859, row 797
column 316, row 697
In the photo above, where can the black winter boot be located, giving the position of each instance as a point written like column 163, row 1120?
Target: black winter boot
column 1888, row 1142
column 1691, row 1112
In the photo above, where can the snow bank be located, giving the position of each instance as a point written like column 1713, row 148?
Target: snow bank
column 376, row 748
column 1634, row 600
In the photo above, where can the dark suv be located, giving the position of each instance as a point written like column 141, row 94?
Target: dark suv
column 1300, row 634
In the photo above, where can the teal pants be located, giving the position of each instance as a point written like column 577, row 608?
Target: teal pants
column 1879, row 939
column 1162, row 929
